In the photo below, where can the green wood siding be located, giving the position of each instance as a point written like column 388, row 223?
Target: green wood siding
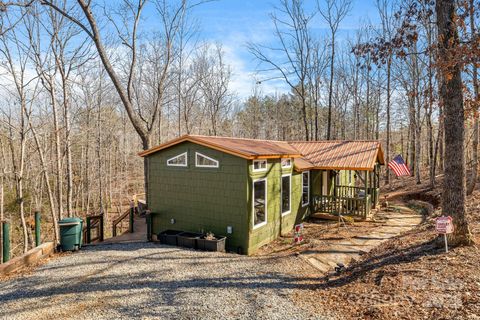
column 200, row 199
column 210, row 199
column 276, row 223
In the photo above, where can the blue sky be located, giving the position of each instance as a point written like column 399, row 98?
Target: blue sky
column 235, row 22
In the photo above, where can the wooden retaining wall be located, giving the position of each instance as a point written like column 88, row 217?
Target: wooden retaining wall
column 30, row 257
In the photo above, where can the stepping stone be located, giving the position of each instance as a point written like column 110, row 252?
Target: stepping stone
column 345, row 250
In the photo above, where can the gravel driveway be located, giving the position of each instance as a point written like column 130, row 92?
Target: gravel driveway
column 145, row 280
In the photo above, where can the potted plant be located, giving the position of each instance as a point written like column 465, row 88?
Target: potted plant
column 210, row 242
column 169, row 237
column 188, row 239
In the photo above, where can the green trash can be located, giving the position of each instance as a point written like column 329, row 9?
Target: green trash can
column 71, row 233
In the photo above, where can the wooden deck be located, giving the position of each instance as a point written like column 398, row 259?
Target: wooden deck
column 139, row 233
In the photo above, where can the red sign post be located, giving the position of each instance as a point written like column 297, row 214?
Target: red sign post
column 298, row 233
column 444, row 225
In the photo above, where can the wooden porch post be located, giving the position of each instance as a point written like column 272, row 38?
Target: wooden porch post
column 366, row 193
column 334, row 182
column 374, row 184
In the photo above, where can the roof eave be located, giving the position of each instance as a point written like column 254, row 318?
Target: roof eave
column 218, row 147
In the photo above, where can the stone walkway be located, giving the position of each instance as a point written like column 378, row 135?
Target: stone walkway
column 343, row 251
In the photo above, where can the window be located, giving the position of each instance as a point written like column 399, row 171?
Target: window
column 349, row 177
column 287, row 163
column 259, row 165
column 305, row 188
column 286, row 192
column 259, row 203
column 203, row 161
column 178, row 161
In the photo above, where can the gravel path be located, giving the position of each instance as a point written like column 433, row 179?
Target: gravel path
column 145, row 280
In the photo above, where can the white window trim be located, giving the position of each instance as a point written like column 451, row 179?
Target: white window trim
column 261, row 169
column 203, row 165
column 261, row 224
column 178, row 165
column 308, row 197
column 286, row 167
column 289, row 192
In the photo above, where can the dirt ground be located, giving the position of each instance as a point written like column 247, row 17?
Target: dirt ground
column 408, row 277
column 318, row 232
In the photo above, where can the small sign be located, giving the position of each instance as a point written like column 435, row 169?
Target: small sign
column 444, row 225
column 298, row 233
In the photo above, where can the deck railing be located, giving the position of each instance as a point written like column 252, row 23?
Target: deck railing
column 348, row 206
column 95, row 224
column 124, row 223
column 353, row 192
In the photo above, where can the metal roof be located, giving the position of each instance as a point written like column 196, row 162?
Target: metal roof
column 244, row 148
column 301, row 164
column 341, row 155
column 328, row 155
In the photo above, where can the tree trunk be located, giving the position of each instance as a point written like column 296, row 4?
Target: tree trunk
column 47, row 184
column 68, row 149
column 146, row 145
column 18, row 168
column 330, row 90
column 387, row 153
column 58, row 153
column 452, row 97
column 411, row 134
column 418, row 118
column 2, row 177
column 304, row 114
column 474, row 169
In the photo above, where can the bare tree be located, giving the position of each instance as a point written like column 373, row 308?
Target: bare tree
column 384, row 9
column 333, row 12
column 291, row 24
column 170, row 16
column 22, row 89
column 214, row 80
column 318, row 65
column 46, row 178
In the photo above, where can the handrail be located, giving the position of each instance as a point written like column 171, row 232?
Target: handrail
column 121, row 218
column 94, row 223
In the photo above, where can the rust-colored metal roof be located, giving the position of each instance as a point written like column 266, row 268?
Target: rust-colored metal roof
column 328, row 155
column 244, row 148
column 301, row 164
column 341, row 155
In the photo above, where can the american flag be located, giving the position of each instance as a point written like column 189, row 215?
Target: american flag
column 399, row 167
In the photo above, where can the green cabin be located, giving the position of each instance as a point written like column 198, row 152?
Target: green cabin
column 253, row 191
